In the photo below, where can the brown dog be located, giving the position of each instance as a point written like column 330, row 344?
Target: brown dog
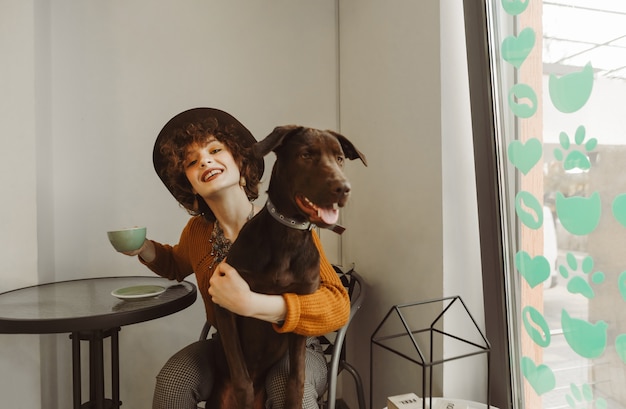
column 275, row 254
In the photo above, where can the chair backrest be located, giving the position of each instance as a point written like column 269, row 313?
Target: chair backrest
column 333, row 343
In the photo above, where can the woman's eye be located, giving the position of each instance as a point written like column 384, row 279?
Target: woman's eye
column 191, row 163
column 306, row 155
column 215, row 151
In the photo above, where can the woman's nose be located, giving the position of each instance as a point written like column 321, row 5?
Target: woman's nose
column 206, row 160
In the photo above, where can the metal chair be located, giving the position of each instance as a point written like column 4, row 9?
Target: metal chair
column 333, row 343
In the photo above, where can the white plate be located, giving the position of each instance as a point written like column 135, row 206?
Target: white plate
column 138, row 292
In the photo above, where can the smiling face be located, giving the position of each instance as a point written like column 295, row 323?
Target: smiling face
column 211, row 168
column 172, row 159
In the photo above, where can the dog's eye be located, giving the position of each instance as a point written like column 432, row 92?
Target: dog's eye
column 340, row 159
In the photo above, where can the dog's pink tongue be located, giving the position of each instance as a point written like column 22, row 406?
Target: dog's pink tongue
column 329, row 216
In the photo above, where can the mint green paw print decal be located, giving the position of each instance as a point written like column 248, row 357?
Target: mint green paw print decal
column 571, row 92
column 524, row 156
column 586, row 339
column 575, row 159
column 577, row 284
column 540, row 377
column 579, row 215
column 582, row 398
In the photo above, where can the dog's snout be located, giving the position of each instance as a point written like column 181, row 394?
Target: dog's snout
column 342, row 188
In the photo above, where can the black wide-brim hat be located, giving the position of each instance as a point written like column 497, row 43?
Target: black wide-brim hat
column 182, row 120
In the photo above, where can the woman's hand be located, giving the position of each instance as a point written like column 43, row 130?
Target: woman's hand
column 146, row 251
column 229, row 290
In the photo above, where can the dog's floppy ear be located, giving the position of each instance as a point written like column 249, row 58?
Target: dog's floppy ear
column 349, row 149
column 274, row 139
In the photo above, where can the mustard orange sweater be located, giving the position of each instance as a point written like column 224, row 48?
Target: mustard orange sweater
column 324, row 311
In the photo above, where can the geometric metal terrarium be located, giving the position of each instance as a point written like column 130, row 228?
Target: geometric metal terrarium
column 430, row 334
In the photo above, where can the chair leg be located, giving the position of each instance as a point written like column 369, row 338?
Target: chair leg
column 357, row 381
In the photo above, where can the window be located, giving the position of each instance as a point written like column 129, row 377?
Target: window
column 550, row 146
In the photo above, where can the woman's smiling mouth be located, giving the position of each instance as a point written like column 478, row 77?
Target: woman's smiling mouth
column 207, row 175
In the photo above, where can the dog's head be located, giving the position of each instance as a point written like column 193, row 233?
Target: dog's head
column 307, row 178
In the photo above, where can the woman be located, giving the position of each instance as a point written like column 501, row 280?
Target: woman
column 203, row 157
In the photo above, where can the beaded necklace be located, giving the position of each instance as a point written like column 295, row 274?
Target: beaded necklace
column 219, row 243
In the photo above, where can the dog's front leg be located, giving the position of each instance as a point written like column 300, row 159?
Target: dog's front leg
column 295, row 381
column 239, row 376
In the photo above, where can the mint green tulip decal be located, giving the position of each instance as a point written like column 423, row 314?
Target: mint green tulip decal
column 529, row 210
column 619, row 209
column 578, row 215
column 525, row 156
column 514, row 7
column 540, row 377
column 620, row 346
column 577, row 284
column 532, row 319
column 571, row 92
column 586, row 339
column 583, row 396
column 575, row 158
column 534, row 270
column 621, row 284
column 515, row 50
column 523, row 100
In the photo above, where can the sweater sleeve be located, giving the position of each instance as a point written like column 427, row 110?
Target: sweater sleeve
column 172, row 262
column 321, row 312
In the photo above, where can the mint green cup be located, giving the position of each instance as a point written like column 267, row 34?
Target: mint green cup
column 127, row 239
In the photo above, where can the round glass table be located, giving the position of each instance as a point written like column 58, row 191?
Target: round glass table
column 88, row 310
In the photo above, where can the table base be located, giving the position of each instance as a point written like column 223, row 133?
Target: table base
column 96, row 369
column 108, row 404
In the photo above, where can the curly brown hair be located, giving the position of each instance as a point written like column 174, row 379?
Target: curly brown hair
column 174, row 151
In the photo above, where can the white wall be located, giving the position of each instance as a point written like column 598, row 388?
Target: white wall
column 18, row 210
column 412, row 220
column 107, row 77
